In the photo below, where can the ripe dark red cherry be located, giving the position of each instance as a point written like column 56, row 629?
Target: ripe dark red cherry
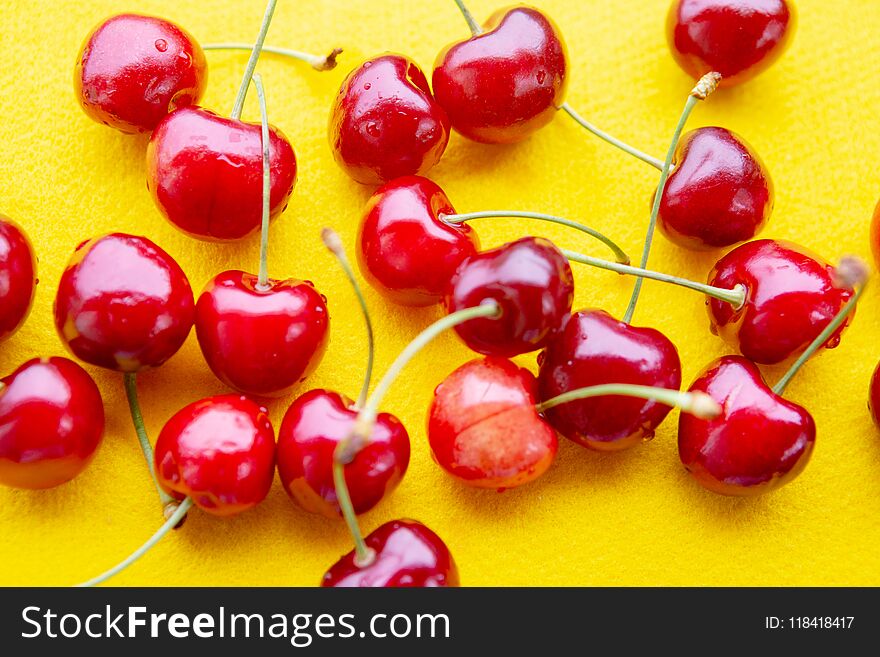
column 313, row 427
column 18, row 277
column 592, row 348
column 532, row 283
column 736, row 38
column 719, row 193
column 205, row 172
column 760, row 441
column 123, row 303
column 51, row 423
column 132, row 70
column 261, row 341
column 791, row 296
column 874, row 396
column 407, row 554
column 220, row 452
column 384, row 122
column 504, row 84
column 483, row 427
column 404, row 249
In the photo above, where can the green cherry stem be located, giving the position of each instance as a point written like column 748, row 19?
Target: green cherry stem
column 170, row 524
column 363, row 555
column 698, row 404
column 706, row 85
column 473, row 25
column 263, row 277
column 130, row 380
column 619, row 254
column 317, row 62
column 252, row 61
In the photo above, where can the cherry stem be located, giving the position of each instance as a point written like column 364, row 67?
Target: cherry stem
column 735, row 296
column 130, row 380
column 334, row 245
column 263, row 277
column 364, row 555
column 622, row 257
column 469, row 17
column 704, row 87
column 252, row 61
column 170, row 524
column 317, row 62
column 614, row 141
column 696, row 403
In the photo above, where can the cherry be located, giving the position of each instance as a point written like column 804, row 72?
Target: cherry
column 404, row 553
column 132, row 70
column 123, row 303
column 736, row 38
column 532, row 283
column 384, row 123
column 502, row 85
column 874, row 396
column 875, row 235
column 719, row 193
column 51, row 423
column 18, row 277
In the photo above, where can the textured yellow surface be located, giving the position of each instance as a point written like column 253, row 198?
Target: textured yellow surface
column 634, row 518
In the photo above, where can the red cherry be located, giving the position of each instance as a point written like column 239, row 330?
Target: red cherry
column 532, row 283
column 206, row 173
column 407, row 554
column 502, row 85
column 592, row 348
column 313, row 426
column 132, row 70
column 18, row 277
column 791, row 296
column 261, row 341
column 384, row 123
column 875, row 235
column 405, row 250
column 51, row 423
column 220, row 452
column 874, row 396
column 736, row 38
column 719, row 193
column 483, row 427
column 760, row 441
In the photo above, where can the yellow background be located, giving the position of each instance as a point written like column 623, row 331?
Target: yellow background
column 633, row 518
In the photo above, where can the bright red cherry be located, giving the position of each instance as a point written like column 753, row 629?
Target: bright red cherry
column 123, row 303
column 132, row 70
column 504, row 84
column 532, row 282
column 18, row 277
column 760, row 441
column 874, row 396
column 405, row 250
column 791, row 295
column 205, row 172
column 384, row 123
column 875, row 235
column 736, row 38
column 313, row 426
column 719, row 193
column 261, row 341
column 407, row 554
column 220, row 452
column 51, row 423
column 483, row 427
column 592, row 348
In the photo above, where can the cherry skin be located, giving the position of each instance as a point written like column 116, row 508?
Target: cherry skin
column 874, row 396
column 384, row 122
column 51, row 423
column 791, row 297
column 313, row 426
column 592, row 348
column 132, row 70
column 483, row 427
column 719, row 194
column 407, row 554
column 532, row 282
column 261, row 341
column 123, row 303
column 736, row 38
column 220, row 452
column 18, row 277
column 760, row 441
column 503, row 85
column 205, row 173
column 405, row 250
column 875, row 235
